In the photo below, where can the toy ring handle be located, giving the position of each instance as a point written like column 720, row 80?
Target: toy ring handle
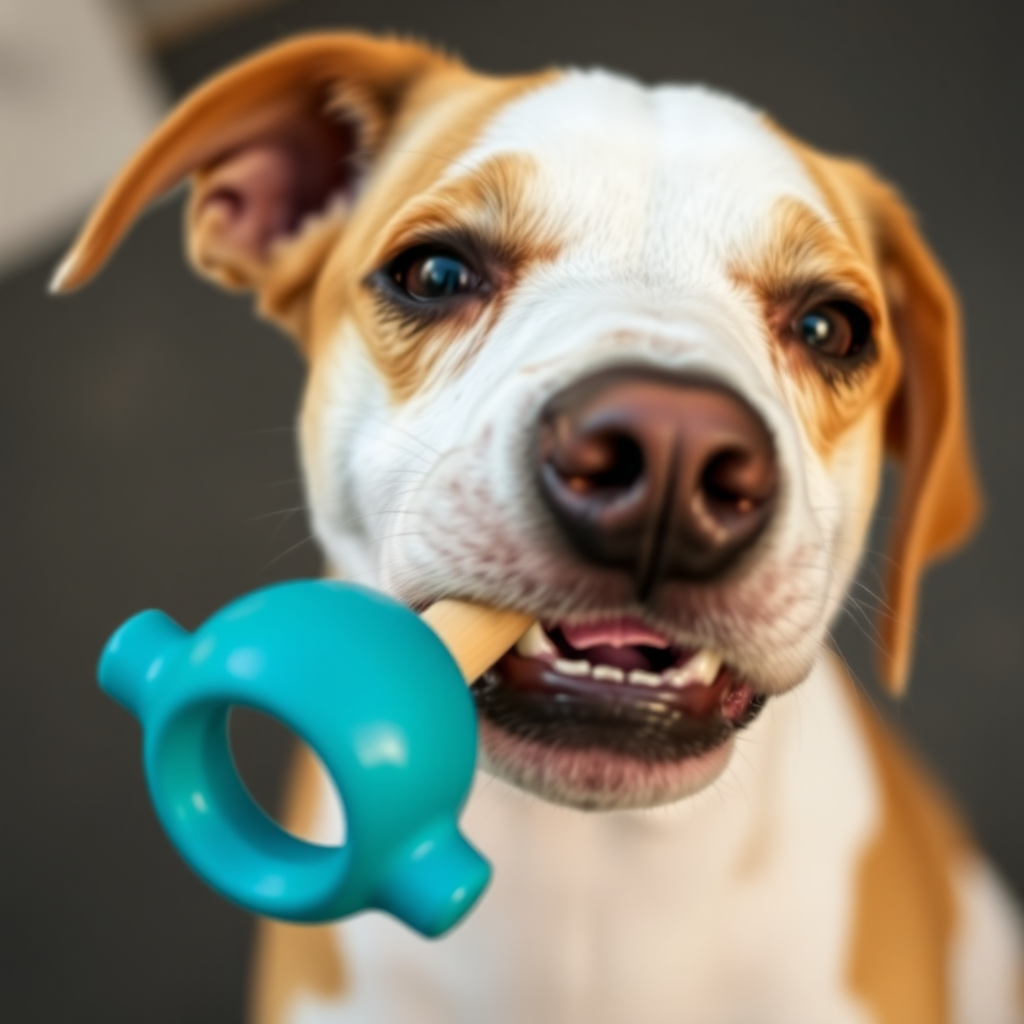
column 371, row 690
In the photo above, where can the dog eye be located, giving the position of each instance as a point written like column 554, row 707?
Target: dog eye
column 430, row 274
column 837, row 329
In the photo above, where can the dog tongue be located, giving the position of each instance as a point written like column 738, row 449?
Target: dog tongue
column 612, row 633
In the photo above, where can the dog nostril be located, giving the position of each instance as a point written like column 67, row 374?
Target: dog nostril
column 608, row 462
column 737, row 481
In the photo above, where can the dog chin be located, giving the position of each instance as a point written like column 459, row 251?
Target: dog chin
column 596, row 779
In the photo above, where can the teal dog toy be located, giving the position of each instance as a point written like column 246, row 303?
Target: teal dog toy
column 373, row 690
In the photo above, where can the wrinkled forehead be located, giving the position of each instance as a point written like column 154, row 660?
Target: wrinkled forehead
column 669, row 181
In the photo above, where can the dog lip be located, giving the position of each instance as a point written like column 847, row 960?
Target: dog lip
column 530, row 698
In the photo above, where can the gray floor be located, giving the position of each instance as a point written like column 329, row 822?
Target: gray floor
column 146, row 427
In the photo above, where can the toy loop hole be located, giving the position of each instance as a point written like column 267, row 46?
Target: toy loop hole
column 285, row 777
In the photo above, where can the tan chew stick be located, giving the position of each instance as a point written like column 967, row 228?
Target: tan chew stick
column 475, row 636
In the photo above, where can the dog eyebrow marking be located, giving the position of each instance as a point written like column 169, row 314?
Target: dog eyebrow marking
column 487, row 201
column 796, row 247
column 490, row 212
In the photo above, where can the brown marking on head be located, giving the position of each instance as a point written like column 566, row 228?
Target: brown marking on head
column 486, row 216
column 904, row 899
column 797, row 261
column 918, row 385
column 413, row 197
column 292, row 961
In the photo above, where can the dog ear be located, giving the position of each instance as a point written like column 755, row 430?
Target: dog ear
column 939, row 500
column 275, row 148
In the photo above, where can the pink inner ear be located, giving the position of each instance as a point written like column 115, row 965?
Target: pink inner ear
column 264, row 190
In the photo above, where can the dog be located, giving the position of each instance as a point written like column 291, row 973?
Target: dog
column 628, row 360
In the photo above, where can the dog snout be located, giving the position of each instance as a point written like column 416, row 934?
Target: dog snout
column 662, row 477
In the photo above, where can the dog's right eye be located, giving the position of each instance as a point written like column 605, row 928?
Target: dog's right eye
column 432, row 274
column 837, row 329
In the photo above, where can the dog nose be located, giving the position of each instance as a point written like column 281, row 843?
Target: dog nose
column 663, row 477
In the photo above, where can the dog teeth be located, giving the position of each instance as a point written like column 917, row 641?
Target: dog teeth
column 572, row 668
column 638, row 677
column 702, row 669
column 535, row 644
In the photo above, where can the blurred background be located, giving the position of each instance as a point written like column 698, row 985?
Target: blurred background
column 148, row 455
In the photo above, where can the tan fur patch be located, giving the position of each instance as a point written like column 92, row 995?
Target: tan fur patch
column 491, row 206
column 799, row 258
column 905, row 904
column 408, row 202
column 292, row 961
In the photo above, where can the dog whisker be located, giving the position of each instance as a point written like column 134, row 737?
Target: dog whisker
column 288, row 551
column 278, row 512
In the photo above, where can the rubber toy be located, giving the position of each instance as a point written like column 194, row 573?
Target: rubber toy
column 372, row 689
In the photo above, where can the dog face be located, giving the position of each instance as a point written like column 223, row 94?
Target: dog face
column 626, row 359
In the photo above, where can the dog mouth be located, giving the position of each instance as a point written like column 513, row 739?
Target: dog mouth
column 610, row 712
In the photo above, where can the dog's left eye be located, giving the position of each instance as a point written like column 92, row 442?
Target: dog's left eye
column 430, row 274
column 837, row 329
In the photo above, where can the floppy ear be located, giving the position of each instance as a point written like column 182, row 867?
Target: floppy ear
column 275, row 147
column 939, row 500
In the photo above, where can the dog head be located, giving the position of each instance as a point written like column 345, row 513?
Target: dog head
column 627, row 359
